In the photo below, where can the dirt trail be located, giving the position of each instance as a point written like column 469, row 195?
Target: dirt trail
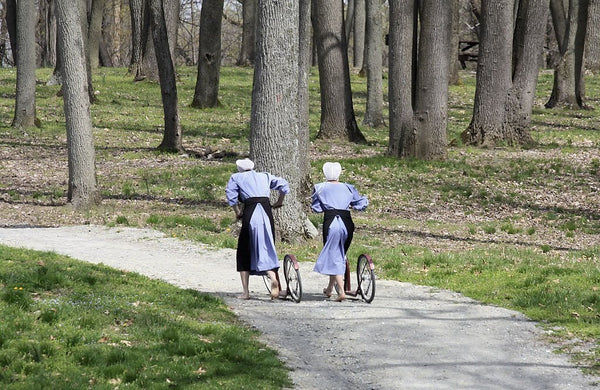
column 410, row 337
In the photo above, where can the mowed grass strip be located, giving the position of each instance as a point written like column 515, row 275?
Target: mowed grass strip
column 72, row 325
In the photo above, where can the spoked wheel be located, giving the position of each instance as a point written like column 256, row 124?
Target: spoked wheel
column 267, row 281
column 365, row 274
column 291, row 273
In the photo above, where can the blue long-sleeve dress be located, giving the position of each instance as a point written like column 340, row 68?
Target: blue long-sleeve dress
column 334, row 199
column 256, row 244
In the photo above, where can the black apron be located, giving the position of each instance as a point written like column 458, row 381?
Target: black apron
column 346, row 218
column 243, row 254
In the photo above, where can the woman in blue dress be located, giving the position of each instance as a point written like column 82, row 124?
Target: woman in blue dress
column 248, row 193
column 334, row 199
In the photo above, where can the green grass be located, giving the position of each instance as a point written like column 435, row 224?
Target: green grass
column 512, row 227
column 70, row 325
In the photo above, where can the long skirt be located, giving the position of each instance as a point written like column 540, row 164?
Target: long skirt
column 256, row 244
column 338, row 230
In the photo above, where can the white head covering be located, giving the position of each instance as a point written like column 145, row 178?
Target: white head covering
column 332, row 170
column 244, row 165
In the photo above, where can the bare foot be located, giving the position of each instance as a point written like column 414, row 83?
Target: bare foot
column 341, row 298
column 274, row 289
column 244, row 297
column 327, row 293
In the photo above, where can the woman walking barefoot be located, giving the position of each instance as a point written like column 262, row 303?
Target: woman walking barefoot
column 248, row 193
column 334, row 199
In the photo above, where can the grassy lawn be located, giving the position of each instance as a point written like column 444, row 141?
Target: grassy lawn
column 514, row 227
column 71, row 325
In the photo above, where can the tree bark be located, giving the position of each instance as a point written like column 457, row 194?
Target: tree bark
column 206, row 93
column 149, row 54
column 274, row 117
column 26, row 64
column 592, row 39
column 95, row 32
column 172, row 134
column 493, row 74
column 11, row 26
column 505, row 95
column 349, row 22
column 419, row 59
column 83, row 191
column 529, row 37
column 359, row 32
column 569, row 88
column 402, row 43
column 337, row 111
column 373, row 64
column 138, row 35
column 454, row 74
column 246, row 57
column 304, row 65
column 431, row 103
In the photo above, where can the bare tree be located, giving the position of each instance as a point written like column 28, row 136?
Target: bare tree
column 454, row 77
column 206, row 93
column 150, row 61
column 83, row 191
column 304, row 63
column 504, row 94
column 246, row 56
column 337, row 111
column 26, row 64
column 349, row 23
column 360, row 20
column 592, row 39
column 172, row 134
column 418, row 115
column 373, row 64
column 139, row 36
column 11, row 25
column 274, row 118
column 569, row 18
column 95, row 32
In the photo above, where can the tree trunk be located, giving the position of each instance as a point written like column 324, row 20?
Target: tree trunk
column 84, row 25
column 529, row 37
column 359, row 32
column 418, row 78
column 493, row 74
column 83, row 191
column 206, row 93
column 349, row 22
column 337, row 111
column 568, row 88
column 454, row 74
column 172, row 134
column 246, row 57
column 431, row 103
column 11, row 26
column 373, row 64
column 105, row 58
column 149, row 54
column 592, row 39
column 274, row 118
column 26, row 64
column 304, row 64
column 47, row 36
column 95, row 32
column 138, row 37
column 402, row 42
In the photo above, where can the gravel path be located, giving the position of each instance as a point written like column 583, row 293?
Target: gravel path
column 410, row 337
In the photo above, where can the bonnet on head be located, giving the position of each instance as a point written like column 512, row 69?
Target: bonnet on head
column 332, row 170
column 244, row 165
